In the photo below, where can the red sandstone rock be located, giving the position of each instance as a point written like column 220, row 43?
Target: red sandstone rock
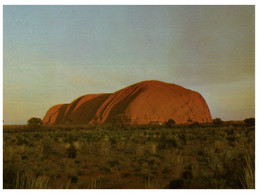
column 142, row 103
column 55, row 115
column 83, row 109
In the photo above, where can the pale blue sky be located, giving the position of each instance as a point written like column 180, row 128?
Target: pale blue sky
column 53, row 54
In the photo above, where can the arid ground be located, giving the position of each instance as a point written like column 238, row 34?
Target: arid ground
column 197, row 156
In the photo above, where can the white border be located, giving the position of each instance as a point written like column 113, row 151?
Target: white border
column 139, row 2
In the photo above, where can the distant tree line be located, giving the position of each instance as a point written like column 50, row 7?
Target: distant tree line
column 250, row 121
column 122, row 120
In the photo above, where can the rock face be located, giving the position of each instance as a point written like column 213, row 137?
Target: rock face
column 141, row 103
column 55, row 114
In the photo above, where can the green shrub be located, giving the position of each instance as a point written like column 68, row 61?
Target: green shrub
column 34, row 122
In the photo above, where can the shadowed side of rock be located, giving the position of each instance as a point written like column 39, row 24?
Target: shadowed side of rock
column 55, row 115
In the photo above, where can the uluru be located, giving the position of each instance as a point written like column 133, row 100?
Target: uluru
column 141, row 103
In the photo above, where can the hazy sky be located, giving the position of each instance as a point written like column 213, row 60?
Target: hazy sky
column 54, row 54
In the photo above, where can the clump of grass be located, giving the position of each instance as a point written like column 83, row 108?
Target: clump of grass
column 184, row 157
column 176, row 161
column 105, row 148
column 248, row 177
column 152, row 185
column 28, row 180
column 9, row 175
column 94, row 184
column 139, row 149
column 46, row 149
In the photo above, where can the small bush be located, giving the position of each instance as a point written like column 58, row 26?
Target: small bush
column 170, row 123
column 74, row 179
column 217, row 122
column 195, row 124
column 72, row 151
column 250, row 121
column 167, row 142
column 120, row 120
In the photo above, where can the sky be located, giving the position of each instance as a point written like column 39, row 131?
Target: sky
column 54, row 54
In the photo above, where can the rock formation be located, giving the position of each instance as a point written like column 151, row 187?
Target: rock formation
column 141, row 103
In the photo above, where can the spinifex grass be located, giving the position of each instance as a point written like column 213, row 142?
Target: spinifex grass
column 135, row 157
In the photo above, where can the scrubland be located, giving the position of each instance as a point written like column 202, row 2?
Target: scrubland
column 201, row 156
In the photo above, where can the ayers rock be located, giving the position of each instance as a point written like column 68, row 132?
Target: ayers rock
column 141, row 103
